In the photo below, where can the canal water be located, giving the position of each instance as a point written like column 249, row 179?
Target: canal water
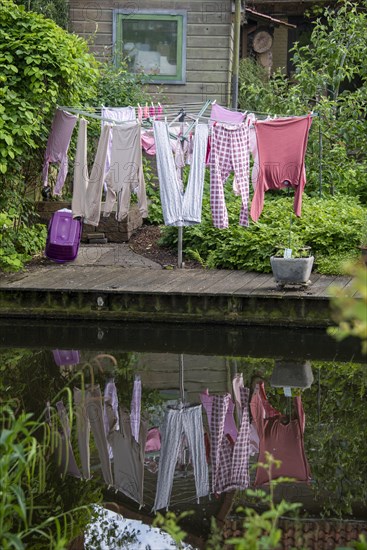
column 307, row 376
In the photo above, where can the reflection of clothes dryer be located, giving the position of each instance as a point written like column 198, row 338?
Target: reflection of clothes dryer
column 148, row 62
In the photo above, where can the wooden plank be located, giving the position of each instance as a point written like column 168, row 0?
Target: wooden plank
column 252, row 286
column 208, row 42
column 207, row 77
column 208, row 30
column 172, row 281
column 212, row 277
column 105, row 279
column 132, row 280
column 229, row 285
column 55, row 277
column 88, row 27
column 268, row 286
column 209, row 65
column 207, row 53
column 319, row 288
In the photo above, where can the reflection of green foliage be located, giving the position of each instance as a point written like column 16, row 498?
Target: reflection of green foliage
column 351, row 312
column 260, row 530
column 33, row 510
column 169, row 523
column 335, row 438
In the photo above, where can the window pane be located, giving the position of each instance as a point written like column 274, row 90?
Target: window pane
column 151, row 45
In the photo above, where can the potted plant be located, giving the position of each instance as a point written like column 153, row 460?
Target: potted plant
column 292, row 263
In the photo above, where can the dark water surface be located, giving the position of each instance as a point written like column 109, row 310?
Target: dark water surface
column 175, row 364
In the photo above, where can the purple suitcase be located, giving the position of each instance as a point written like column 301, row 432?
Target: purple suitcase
column 63, row 237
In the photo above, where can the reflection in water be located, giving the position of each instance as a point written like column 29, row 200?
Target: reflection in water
column 203, row 444
column 170, row 430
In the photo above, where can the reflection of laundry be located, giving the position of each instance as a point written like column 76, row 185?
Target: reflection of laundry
column 230, row 427
column 66, row 357
column 179, row 422
column 63, row 449
column 110, row 411
column 153, row 442
column 89, row 416
column 136, row 408
column 230, row 463
column 280, row 436
column 237, row 384
column 128, row 464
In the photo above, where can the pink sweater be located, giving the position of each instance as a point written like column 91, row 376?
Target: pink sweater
column 282, row 437
column 281, row 147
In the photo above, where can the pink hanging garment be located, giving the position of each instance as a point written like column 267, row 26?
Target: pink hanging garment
column 146, row 111
column 151, row 110
column 280, row 436
column 221, row 114
column 281, row 146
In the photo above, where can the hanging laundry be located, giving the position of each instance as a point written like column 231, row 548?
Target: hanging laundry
column 87, row 190
column 181, row 207
column 126, row 172
column 281, row 145
column 180, row 422
column 229, row 152
column 119, row 114
column 221, row 114
column 128, row 464
column 230, row 463
column 148, row 141
column 282, row 437
column 57, row 147
column 89, row 416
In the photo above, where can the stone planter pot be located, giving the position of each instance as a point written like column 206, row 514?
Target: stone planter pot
column 292, row 271
column 294, row 374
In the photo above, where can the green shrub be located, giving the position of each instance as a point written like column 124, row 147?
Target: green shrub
column 18, row 242
column 329, row 78
column 330, row 226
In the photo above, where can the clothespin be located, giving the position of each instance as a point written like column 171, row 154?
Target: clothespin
column 159, row 111
column 140, row 112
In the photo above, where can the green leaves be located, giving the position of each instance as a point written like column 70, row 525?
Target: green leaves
column 331, row 227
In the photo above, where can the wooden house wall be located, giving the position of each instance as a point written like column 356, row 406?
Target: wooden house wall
column 208, row 46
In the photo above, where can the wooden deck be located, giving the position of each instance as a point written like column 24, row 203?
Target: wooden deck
column 179, row 295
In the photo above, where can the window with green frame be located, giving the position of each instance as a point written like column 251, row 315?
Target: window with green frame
column 153, row 43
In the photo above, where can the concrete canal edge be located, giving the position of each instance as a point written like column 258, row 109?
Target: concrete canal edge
column 277, row 309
